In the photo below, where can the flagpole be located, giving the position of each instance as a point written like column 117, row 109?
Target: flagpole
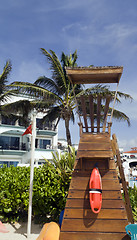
column 31, row 172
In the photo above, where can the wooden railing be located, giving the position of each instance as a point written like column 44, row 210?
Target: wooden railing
column 116, row 152
column 94, row 113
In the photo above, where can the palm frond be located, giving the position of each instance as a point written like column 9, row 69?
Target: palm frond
column 22, row 107
column 3, row 77
column 74, row 56
column 120, row 116
column 52, row 114
column 34, row 90
column 6, row 71
column 124, row 95
column 56, row 68
column 48, row 83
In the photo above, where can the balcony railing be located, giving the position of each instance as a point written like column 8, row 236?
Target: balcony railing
column 22, row 147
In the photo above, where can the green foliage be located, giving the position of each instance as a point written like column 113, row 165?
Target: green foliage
column 14, row 191
column 49, row 191
column 63, row 163
column 133, row 200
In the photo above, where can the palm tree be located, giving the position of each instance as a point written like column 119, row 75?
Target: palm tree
column 15, row 109
column 4, row 90
column 60, row 89
column 5, row 93
column 55, row 95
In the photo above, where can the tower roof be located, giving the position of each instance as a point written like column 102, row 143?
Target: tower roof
column 95, row 75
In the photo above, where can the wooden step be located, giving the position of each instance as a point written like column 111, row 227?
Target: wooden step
column 94, row 154
column 84, row 203
column 105, row 173
column 87, row 213
column 93, row 236
column 79, row 221
column 94, row 225
column 106, row 194
column 100, row 137
column 90, row 146
column 83, row 183
column 89, row 164
column 94, row 146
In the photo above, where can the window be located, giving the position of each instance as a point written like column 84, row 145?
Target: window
column 42, row 143
column 44, row 125
column 8, row 121
column 9, row 163
column 9, row 143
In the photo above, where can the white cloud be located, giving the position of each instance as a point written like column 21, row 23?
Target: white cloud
column 118, row 36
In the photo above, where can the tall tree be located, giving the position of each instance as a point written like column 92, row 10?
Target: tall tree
column 60, row 88
column 4, row 89
column 5, row 92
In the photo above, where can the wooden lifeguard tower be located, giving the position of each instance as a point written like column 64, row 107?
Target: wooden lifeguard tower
column 96, row 146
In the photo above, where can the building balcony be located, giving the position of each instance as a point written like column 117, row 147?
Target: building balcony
column 22, row 147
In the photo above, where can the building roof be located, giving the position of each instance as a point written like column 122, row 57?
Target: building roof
column 87, row 75
column 132, row 151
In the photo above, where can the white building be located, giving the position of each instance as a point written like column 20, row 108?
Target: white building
column 15, row 148
column 130, row 166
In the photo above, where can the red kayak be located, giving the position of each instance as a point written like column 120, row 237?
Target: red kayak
column 95, row 191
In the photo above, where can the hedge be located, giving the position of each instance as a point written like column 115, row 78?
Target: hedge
column 49, row 193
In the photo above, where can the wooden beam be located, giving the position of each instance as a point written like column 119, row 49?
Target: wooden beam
column 91, row 107
column 98, row 112
column 121, row 171
column 106, row 112
column 83, row 105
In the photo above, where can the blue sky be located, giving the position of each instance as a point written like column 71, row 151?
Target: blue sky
column 104, row 32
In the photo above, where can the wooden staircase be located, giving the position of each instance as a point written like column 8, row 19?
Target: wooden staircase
column 79, row 221
column 95, row 147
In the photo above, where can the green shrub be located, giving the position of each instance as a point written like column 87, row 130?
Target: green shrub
column 14, row 191
column 133, row 200
column 63, row 163
column 49, row 192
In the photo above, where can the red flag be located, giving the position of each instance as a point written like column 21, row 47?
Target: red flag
column 28, row 130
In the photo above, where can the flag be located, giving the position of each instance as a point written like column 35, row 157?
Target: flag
column 28, row 130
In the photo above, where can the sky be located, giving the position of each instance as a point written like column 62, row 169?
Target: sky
column 104, row 32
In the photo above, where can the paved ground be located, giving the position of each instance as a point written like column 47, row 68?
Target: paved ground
column 18, row 231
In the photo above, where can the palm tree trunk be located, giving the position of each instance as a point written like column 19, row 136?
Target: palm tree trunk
column 68, row 132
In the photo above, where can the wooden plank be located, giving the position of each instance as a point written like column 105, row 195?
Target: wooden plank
column 94, row 154
column 107, row 174
column 84, row 225
column 74, row 193
column 83, row 183
column 103, row 137
column 91, row 107
column 106, row 112
column 83, row 105
column 126, row 195
column 106, row 203
column 98, row 112
column 93, row 236
column 103, row 214
column 94, row 146
column 89, row 164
